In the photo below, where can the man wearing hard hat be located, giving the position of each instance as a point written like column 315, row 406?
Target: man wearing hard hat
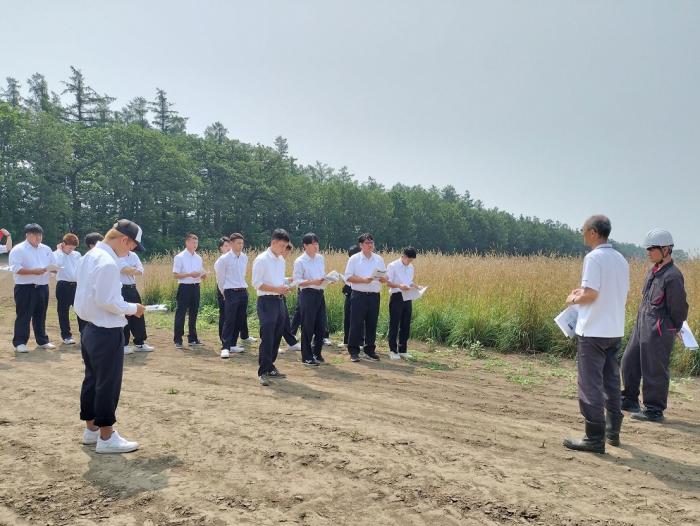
column 662, row 311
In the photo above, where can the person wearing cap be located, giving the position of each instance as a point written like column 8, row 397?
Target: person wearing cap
column 600, row 326
column 130, row 266
column 662, row 311
column 31, row 263
column 364, row 300
column 8, row 241
column 99, row 301
column 309, row 272
column 399, row 275
column 224, row 245
column 271, row 288
column 188, row 269
column 347, row 292
column 67, row 257
column 231, row 269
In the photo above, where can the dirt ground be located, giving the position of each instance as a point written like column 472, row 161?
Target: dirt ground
column 455, row 437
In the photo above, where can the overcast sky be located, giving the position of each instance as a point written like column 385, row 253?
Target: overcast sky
column 558, row 109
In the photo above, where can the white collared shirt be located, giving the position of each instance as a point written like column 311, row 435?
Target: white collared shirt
column 98, row 295
column 360, row 266
column 398, row 273
column 25, row 255
column 131, row 260
column 606, row 271
column 307, row 268
column 186, row 262
column 69, row 262
column 230, row 271
column 268, row 269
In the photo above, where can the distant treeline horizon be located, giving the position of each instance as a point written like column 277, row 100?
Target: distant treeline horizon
column 72, row 163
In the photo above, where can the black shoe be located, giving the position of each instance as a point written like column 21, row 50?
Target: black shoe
column 178, row 345
column 649, row 415
column 354, row 358
column 311, row 362
column 613, row 423
column 196, row 342
column 276, row 374
column 631, row 406
column 371, row 355
column 593, row 441
column 319, row 358
column 263, row 380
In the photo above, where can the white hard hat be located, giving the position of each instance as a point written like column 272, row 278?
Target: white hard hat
column 658, row 237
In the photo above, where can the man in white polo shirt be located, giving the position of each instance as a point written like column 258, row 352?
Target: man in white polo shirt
column 269, row 283
column 31, row 262
column 231, row 268
column 399, row 275
column 99, row 301
column 188, row 269
column 601, row 324
column 67, row 257
column 365, row 274
column 8, row 242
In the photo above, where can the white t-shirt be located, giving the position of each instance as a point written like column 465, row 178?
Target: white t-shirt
column 606, row 271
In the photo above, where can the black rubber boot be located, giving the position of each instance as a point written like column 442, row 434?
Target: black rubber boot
column 594, row 441
column 613, row 423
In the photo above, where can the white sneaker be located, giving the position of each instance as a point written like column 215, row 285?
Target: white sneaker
column 48, row 346
column 295, row 347
column 128, row 349
column 237, row 349
column 342, row 345
column 115, row 444
column 281, row 350
column 90, row 437
column 327, row 342
column 69, row 341
column 405, row 355
column 144, row 347
column 224, row 354
column 394, row 356
column 250, row 339
column 21, row 348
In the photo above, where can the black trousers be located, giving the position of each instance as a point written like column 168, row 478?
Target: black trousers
column 647, row 361
column 364, row 313
column 312, row 307
column 598, row 377
column 187, row 300
column 235, row 312
column 296, row 319
column 135, row 327
column 400, row 312
column 103, row 356
column 222, row 312
column 65, row 296
column 272, row 313
column 347, row 292
column 31, row 303
column 287, row 333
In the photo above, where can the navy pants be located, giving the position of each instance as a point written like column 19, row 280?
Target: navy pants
column 135, row 326
column 31, row 303
column 312, row 307
column 235, row 313
column 272, row 313
column 400, row 312
column 364, row 314
column 187, row 300
column 103, row 356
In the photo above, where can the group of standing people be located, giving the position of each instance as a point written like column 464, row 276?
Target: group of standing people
column 600, row 326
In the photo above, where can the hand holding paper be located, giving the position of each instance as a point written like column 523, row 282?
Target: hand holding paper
column 156, row 308
column 413, row 294
column 566, row 321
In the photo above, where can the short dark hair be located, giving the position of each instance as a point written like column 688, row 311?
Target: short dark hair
column 409, row 252
column 355, row 249
column 289, row 247
column 279, row 234
column 221, row 241
column 309, row 238
column 191, row 236
column 92, row 239
column 236, row 235
column 33, row 228
column 601, row 224
column 365, row 237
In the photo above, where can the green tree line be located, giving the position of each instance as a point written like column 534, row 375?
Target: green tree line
column 72, row 162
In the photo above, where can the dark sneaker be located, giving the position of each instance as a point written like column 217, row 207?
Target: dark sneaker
column 319, row 358
column 648, row 416
column 276, row 374
column 196, row 342
column 311, row 363
column 263, row 380
column 354, row 357
column 371, row 355
column 631, row 406
column 178, row 345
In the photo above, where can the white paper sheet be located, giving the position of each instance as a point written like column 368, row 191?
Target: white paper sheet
column 414, row 293
column 688, row 338
column 5, row 268
column 378, row 274
column 566, row 321
column 156, row 308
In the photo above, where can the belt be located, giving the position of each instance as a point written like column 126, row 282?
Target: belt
column 66, row 281
column 276, row 296
column 128, row 286
column 237, row 290
column 366, row 293
column 190, row 284
column 317, row 291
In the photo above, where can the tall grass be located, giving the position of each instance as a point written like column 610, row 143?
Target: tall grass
column 506, row 303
